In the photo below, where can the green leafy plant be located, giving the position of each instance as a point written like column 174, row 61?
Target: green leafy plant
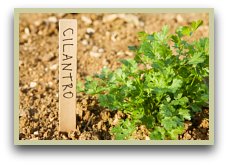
column 165, row 84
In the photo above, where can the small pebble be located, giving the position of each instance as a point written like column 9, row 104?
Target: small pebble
column 54, row 67
column 116, row 120
column 24, row 37
column 33, row 84
column 36, row 133
column 95, row 54
column 95, row 48
column 27, row 31
column 20, row 62
column 130, row 18
column 109, row 18
column 86, row 20
column 85, row 42
column 120, row 53
column 100, row 50
column 129, row 53
column 105, row 62
column 50, row 84
column 87, row 36
column 37, row 23
column 90, row 30
column 52, row 19
column 179, row 18
column 114, row 36
column 147, row 138
column 36, row 138
column 107, row 33
column 99, row 125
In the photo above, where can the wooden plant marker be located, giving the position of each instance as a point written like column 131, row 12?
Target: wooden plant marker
column 67, row 74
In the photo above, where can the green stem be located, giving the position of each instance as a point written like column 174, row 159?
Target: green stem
column 193, row 80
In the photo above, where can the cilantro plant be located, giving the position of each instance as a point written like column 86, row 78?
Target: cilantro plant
column 165, row 84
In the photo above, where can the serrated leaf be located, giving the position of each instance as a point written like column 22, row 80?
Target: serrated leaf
column 79, row 87
column 104, row 73
column 89, row 78
column 178, row 96
column 107, row 101
column 130, row 64
column 186, row 31
column 157, row 134
column 197, row 58
column 176, row 84
column 184, row 113
column 142, row 35
column 123, row 130
column 175, row 39
column 169, row 123
column 195, row 108
column 158, row 65
column 148, row 120
column 150, row 37
column 165, row 30
column 129, row 83
column 146, row 49
column 175, row 132
column 168, row 99
column 165, row 110
column 181, row 101
column 196, row 24
column 91, row 86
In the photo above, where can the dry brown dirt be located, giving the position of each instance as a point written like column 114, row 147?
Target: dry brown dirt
column 102, row 40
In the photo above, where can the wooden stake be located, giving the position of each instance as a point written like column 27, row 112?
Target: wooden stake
column 67, row 74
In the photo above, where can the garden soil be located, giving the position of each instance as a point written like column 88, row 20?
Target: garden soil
column 103, row 39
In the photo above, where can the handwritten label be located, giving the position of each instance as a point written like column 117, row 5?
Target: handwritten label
column 67, row 74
